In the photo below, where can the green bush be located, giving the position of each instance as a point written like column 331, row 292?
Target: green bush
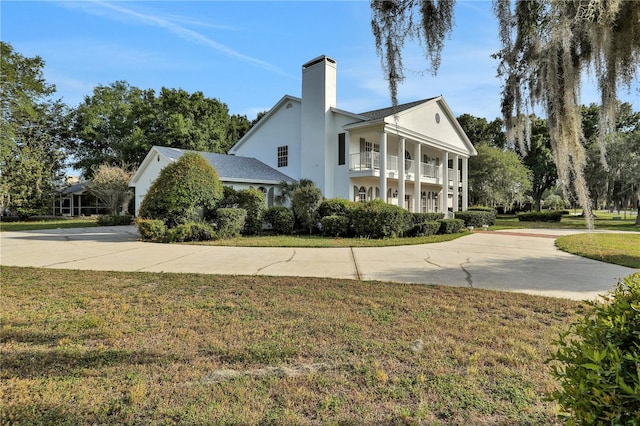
column 281, row 220
column 192, row 231
column 377, row 219
column 450, row 226
column 599, row 372
column 426, row 217
column 335, row 226
column 305, row 202
column 477, row 218
column 424, row 229
column 254, row 202
column 230, row 222
column 151, row 229
column 184, row 192
column 543, row 216
column 335, row 207
column 114, row 220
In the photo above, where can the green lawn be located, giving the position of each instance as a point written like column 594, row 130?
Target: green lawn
column 48, row 224
column 81, row 347
column 621, row 249
column 602, row 221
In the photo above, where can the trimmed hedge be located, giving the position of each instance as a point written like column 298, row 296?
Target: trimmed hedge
column 426, row 217
column 151, row 229
column 424, row 229
column 114, row 220
column 192, row 231
column 335, row 207
column 281, row 220
column 377, row 219
column 230, row 222
column 254, row 202
column 477, row 218
column 183, row 192
column 451, row 226
column 543, row 216
column 335, row 226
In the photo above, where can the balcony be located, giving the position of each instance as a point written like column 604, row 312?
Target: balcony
column 368, row 164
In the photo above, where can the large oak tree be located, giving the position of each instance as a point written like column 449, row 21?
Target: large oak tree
column 546, row 46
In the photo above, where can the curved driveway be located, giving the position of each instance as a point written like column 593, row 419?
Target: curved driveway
column 523, row 260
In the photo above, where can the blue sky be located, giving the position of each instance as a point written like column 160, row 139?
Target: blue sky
column 249, row 54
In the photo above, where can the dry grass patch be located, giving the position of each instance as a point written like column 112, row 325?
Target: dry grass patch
column 621, row 249
column 84, row 347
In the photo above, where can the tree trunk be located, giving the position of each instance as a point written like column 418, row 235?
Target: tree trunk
column 638, row 215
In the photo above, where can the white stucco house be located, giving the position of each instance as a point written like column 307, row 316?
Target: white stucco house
column 414, row 155
column 236, row 172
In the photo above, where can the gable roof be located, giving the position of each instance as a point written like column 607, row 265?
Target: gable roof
column 285, row 99
column 229, row 167
column 378, row 114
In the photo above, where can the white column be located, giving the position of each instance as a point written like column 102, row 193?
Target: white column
column 401, row 143
column 417, row 197
column 383, row 166
column 465, row 183
column 455, row 183
column 444, row 199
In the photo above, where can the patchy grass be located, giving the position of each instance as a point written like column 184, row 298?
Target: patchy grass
column 621, row 249
column 48, row 224
column 83, row 347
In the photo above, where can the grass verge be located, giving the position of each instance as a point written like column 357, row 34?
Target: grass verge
column 621, row 249
column 603, row 221
column 84, row 347
column 318, row 241
column 48, row 224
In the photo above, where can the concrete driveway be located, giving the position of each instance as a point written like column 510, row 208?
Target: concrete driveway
column 520, row 260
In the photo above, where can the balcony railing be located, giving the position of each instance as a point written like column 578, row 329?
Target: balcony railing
column 370, row 160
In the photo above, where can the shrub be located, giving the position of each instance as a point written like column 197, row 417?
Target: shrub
column 254, row 202
column 377, row 219
column 151, row 229
column 184, row 191
column 477, row 218
column 426, row 217
column 424, row 229
column 450, row 226
column 335, row 226
column 114, row 220
column 304, row 203
column 230, row 222
column 599, row 374
column 481, row 209
column 192, row 231
column 281, row 220
column 544, row 216
column 335, row 207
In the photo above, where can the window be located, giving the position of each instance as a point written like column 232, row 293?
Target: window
column 362, row 194
column 341, row 149
column 283, row 156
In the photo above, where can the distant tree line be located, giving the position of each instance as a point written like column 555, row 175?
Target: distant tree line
column 116, row 124
column 510, row 174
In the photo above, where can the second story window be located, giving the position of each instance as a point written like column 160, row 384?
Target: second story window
column 283, row 156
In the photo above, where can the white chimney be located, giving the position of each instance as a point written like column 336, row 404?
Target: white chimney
column 318, row 97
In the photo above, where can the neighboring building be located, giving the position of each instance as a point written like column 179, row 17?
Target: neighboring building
column 414, row 155
column 237, row 172
column 75, row 200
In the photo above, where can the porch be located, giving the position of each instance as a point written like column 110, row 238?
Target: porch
column 368, row 164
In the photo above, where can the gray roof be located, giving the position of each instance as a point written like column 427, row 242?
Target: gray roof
column 385, row 112
column 74, row 188
column 230, row 167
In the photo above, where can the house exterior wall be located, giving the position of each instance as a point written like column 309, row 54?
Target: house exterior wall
column 149, row 175
column 282, row 128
